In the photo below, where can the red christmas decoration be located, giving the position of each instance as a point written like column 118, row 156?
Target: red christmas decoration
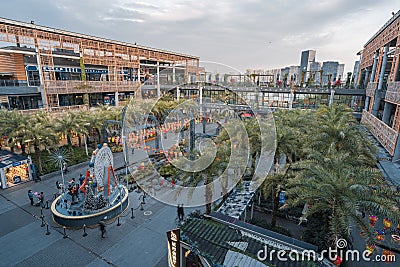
column 372, row 220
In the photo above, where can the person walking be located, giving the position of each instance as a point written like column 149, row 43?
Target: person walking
column 41, row 198
column 102, row 228
column 65, row 167
column 180, row 212
column 30, row 195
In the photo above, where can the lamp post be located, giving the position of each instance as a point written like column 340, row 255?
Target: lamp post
column 120, row 202
column 60, row 161
column 60, row 156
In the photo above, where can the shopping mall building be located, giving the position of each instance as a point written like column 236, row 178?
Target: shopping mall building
column 42, row 67
column 380, row 73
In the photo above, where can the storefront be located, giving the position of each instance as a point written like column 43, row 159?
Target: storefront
column 14, row 169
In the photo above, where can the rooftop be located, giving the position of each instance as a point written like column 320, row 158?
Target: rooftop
column 226, row 241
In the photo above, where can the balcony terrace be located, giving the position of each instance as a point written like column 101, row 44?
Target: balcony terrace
column 80, row 87
column 382, row 132
column 393, row 92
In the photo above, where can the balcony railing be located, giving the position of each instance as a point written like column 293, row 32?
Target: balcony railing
column 385, row 135
column 12, row 83
column 55, row 109
column 371, row 87
column 393, row 92
column 80, row 87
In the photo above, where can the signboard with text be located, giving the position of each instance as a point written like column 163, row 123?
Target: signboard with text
column 174, row 248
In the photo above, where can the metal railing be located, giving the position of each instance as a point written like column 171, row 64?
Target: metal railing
column 13, row 83
column 74, row 87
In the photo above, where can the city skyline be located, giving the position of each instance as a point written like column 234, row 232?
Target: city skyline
column 234, row 33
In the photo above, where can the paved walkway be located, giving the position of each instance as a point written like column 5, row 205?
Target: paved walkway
column 140, row 241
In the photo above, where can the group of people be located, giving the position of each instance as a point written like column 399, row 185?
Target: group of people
column 40, row 198
column 73, row 188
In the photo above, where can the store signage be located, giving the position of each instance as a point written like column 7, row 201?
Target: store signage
column 282, row 197
column 73, row 70
column 5, row 157
column 16, row 163
column 174, row 248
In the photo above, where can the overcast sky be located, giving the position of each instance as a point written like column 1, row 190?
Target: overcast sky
column 242, row 34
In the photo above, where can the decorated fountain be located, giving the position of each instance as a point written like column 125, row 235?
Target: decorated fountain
column 99, row 197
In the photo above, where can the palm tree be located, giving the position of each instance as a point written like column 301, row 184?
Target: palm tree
column 68, row 125
column 337, row 131
column 290, row 132
column 39, row 132
column 93, row 122
column 12, row 124
column 273, row 185
column 343, row 191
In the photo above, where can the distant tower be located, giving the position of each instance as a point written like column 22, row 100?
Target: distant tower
column 307, row 57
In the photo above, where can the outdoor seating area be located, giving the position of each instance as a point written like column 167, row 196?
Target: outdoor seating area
column 237, row 202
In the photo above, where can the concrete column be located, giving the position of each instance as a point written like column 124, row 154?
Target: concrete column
column 377, row 99
column 116, row 99
column 41, row 87
column 331, row 97
column 140, row 84
column 201, row 94
column 367, row 99
column 158, row 80
column 173, row 74
column 386, row 113
column 376, row 55
column 3, row 179
column 178, row 93
column 291, row 96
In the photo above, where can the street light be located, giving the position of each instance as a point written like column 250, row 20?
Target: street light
column 60, row 156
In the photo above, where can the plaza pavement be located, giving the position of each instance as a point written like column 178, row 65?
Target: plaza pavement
column 140, row 241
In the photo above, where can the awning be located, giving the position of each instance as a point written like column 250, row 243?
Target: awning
column 8, row 158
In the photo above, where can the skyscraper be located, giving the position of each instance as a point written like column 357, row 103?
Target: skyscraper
column 307, row 57
column 331, row 68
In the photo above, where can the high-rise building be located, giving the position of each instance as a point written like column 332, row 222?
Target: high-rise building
column 340, row 71
column 307, row 57
column 330, row 70
column 315, row 73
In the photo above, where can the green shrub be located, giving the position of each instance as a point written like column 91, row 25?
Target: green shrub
column 76, row 155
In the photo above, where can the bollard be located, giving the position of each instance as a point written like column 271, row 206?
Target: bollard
column 47, row 232
column 47, row 204
column 132, row 214
column 118, row 224
column 41, row 211
column 65, row 233
column 84, row 230
column 42, row 225
column 141, row 206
